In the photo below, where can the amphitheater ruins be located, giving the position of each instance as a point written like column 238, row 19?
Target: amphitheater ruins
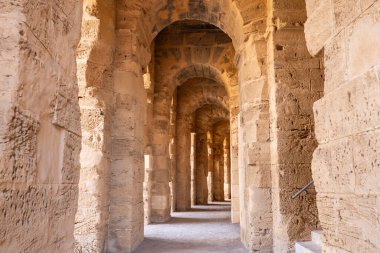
column 129, row 119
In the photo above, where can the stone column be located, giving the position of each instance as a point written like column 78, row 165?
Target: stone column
column 149, row 84
column 221, row 130
column 193, row 169
column 126, row 222
column 172, row 150
column 148, row 162
column 184, row 127
column 254, row 148
column 94, row 69
column 160, row 199
column 218, row 172
column 210, row 165
column 215, row 175
column 235, row 195
column 295, row 83
column 227, row 168
column 202, row 167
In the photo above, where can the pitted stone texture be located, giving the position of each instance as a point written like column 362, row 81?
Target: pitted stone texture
column 345, row 163
column 94, row 71
column 40, row 130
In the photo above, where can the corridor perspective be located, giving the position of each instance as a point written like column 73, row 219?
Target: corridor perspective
column 203, row 229
column 158, row 126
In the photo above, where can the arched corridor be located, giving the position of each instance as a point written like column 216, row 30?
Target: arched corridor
column 189, row 126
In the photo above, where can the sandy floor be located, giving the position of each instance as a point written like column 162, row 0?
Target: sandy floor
column 204, row 229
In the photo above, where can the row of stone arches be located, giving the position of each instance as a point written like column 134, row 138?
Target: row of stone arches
column 130, row 68
column 180, row 59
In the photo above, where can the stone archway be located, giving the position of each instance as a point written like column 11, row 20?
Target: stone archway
column 277, row 83
column 205, row 119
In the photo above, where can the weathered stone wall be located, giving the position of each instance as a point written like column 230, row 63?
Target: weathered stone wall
column 94, row 59
column 346, row 163
column 296, row 81
column 278, row 83
column 254, row 147
column 40, row 130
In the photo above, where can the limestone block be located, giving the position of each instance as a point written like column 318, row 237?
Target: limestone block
column 94, row 75
column 343, row 208
column 63, row 208
column 289, row 124
column 365, row 95
column 345, row 12
column 361, row 57
column 260, row 218
column 9, row 8
column 66, row 112
column 334, row 161
column 124, row 124
column 70, row 165
column 125, row 239
column 160, row 202
column 126, row 81
column 364, row 4
column 126, row 176
column 295, row 150
column 322, row 132
column 258, row 154
column 293, row 176
column 293, row 78
column 366, row 162
column 160, row 174
column 335, row 62
column 254, row 90
column 311, row 6
column 126, row 216
column 251, row 9
column 36, row 200
column 249, row 67
column 352, row 113
column 319, row 26
column 256, row 26
column 19, row 161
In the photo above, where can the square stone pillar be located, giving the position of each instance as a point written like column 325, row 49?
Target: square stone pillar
column 126, row 221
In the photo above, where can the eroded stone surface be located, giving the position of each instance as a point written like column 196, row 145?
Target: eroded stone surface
column 221, row 99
